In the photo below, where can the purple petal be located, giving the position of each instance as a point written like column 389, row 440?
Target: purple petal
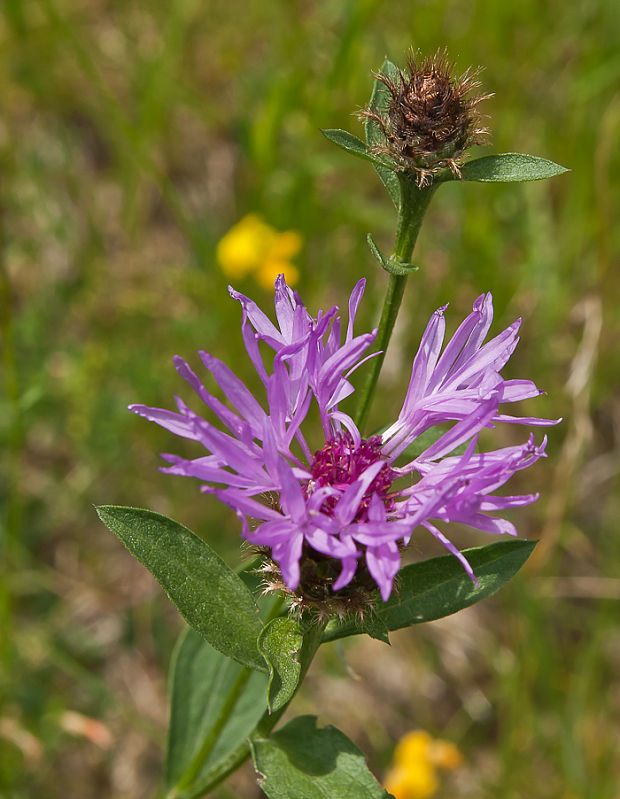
column 178, row 424
column 484, row 307
column 203, row 471
column 349, row 502
column 287, row 554
column 285, row 308
column 454, row 348
column 258, row 319
column 349, row 567
column 245, row 504
column 235, row 423
column 497, row 350
column 234, row 389
column 425, row 360
column 533, row 420
column 383, row 564
column 354, row 302
column 291, row 495
column 462, row 431
column 328, row 544
column 490, row 524
column 451, row 549
column 501, row 503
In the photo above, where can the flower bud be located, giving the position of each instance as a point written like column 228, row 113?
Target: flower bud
column 430, row 118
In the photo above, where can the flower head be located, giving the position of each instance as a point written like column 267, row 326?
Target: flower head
column 254, row 247
column 340, row 512
column 430, row 118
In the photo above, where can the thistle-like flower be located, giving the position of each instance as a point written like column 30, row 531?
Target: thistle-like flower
column 340, row 512
column 431, row 118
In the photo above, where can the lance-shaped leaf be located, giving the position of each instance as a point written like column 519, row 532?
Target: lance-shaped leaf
column 209, row 595
column 509, row 168
column 351, row 144
column 439, row 587
column 205, row 686
column 378, row 103
column 280, row 644
column 305, row 762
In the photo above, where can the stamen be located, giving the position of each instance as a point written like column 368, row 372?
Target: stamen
column 340, row 463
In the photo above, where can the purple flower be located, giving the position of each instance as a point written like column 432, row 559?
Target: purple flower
column 354, row 502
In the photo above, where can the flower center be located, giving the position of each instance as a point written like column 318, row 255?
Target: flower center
column 340, row 463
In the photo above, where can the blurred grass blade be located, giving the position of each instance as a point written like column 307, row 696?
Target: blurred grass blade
column 305, row 762
column 280, row 644
column 202, row 680
column 439, row 587
column 510, row 168
column 208, row 594
column 378, row 102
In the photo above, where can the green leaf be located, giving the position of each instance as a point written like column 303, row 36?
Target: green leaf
column 390, row 181
column 208, row 594
column 439, row 587
column 391, row 264
column 375, row 627
column 396, row 267
column 378, row 103
column 255, row 583
column 376, row 251
column 509, row 168
column 280, row 644
column 305, row 762
column 201, row 679
column 351, row 144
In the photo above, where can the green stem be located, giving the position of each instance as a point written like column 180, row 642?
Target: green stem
column 312, row 641
column 413, row 205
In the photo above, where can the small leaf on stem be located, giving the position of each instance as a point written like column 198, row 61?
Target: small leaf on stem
column 375, row 250
column 352, row 145
column 280, row 644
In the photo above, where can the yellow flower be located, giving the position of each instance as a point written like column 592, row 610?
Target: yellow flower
column 252, row 247
column 445, row 755
column 416, row 760
column 418, row 782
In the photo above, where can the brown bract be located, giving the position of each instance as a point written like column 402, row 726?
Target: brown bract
column 431, row 118
column 318, row 573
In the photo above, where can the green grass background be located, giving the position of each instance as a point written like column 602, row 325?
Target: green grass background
column 132, row 136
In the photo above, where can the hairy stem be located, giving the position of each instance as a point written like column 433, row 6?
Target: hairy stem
column 413, row 205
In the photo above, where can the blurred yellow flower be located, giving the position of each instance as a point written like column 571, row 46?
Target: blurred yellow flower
column 418, row 782
column 416, row 759
column 252, row 247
